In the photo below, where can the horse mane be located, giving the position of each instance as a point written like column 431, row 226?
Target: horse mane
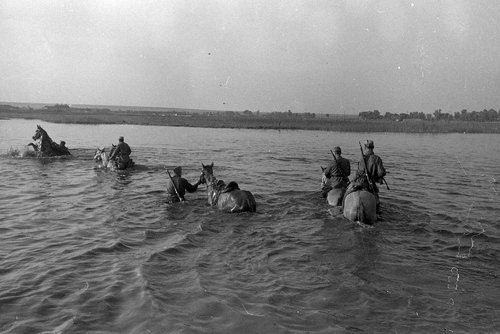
column 44, row 134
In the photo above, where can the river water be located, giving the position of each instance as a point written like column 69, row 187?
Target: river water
column 85, row 250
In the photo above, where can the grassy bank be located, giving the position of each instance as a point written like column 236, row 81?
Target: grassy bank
column 238, row 120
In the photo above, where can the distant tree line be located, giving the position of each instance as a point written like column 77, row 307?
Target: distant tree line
column 464, row 115
column 59, row 107
column 273, row 114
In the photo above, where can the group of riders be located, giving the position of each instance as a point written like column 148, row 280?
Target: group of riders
column 177, row 186
column 370, row 172
column 336, row 175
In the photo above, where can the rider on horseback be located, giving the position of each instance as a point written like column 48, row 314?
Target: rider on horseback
column 337, row 172
column 122, row 154
column 63, row 149
column 374, row 172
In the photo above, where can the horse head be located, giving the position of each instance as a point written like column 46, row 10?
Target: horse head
column 98, row 154
column 39, row 133
column 207, row 173
column 325, row 182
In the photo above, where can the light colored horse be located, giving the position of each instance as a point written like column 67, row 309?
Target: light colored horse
column 45, row 145
column 103, row 157
column 360, row 206
column 228, row 198
column 116, row 164
column 334, row 195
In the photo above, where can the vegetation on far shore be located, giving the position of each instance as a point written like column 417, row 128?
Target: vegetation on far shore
column 372, row 121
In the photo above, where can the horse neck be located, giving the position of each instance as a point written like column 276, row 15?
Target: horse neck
column 45, row 140
column 45, row 136
column 45, row 143
column 213, row 191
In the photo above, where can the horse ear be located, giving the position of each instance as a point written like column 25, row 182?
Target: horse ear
column 212, row 164
column 202, row 165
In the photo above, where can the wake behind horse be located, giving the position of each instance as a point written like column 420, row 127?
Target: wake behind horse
column 44, row 145
column 230, row 197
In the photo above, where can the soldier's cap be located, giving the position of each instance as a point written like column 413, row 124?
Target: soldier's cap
column 178, row 170
column 120, row 138
column 337, row 149
column 369, row 144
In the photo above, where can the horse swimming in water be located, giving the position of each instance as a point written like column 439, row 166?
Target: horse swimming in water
column 360, row 205
column 45, row 146
column 103, row 157
column 230, row 197
column 116, row 164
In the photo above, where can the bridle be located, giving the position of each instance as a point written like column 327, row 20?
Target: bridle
column 38, row 135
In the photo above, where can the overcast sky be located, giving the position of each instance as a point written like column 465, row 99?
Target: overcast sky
column 332, row 56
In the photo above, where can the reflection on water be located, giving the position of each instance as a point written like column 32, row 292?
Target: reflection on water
column 88, row 250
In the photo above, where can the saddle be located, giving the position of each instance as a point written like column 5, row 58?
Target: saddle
column 359, row 183
column 230, row 187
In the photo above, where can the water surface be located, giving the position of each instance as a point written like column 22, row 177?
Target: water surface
column 86, row 250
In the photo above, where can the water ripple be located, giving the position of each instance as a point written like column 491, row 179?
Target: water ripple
column 86, row 250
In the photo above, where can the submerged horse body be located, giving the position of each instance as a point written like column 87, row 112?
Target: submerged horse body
column 230, row 197
column 44, row 145
column 357, row 203
column 360, row 205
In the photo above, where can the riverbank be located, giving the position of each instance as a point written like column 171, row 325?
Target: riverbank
column 213, row 119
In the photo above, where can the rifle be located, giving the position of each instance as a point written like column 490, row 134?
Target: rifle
column 386, row 183
column 340, row 169
column 175, row 188
column 370, row 182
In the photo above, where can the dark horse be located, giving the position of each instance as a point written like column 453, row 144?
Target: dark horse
column 228, row 197
column 45, row 146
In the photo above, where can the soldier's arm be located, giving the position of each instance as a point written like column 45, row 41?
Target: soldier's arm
column 189, row 187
